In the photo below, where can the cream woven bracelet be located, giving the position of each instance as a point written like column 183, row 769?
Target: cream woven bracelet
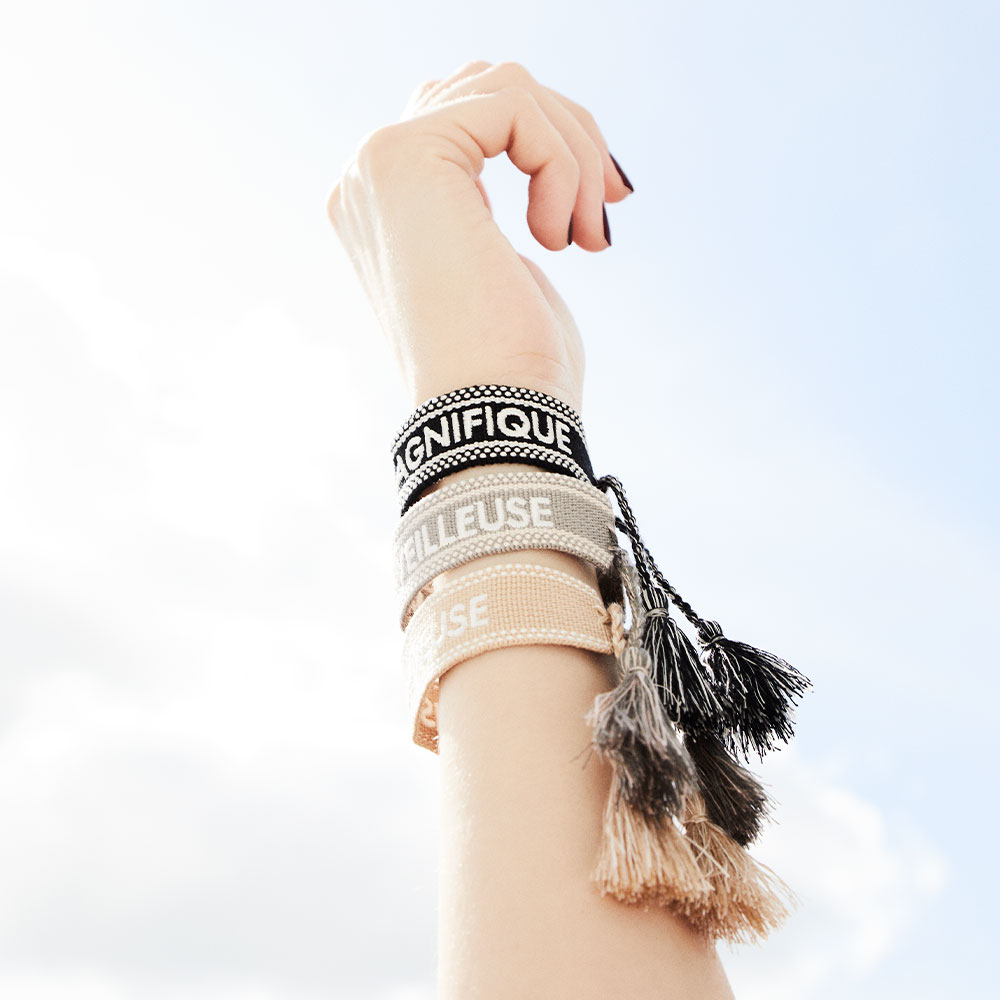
column 501, row 512
column 507, row 604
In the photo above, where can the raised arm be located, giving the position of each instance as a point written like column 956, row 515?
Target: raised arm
column 522, row 800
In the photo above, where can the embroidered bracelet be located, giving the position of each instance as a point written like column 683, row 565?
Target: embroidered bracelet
column 682, row 809
column 502, row 512
column 508, row 604
column 486, row 424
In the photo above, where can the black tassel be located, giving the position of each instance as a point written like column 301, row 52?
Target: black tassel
column 686, row 688
column 735, row 799
column 762, row 691
column 755, row 691
column 631, row 731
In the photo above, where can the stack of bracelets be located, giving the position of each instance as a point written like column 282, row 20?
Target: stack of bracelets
column 682, row 808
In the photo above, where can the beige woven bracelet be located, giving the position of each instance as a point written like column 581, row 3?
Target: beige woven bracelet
column 502, row 512
column 507, row 604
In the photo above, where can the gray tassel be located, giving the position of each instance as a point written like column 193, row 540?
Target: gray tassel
column 633, row 731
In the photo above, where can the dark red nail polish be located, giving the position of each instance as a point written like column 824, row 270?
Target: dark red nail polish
column 607, row 228
column 621, row 174
column 569, row 235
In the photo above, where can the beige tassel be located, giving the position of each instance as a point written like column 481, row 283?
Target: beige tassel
column 747, row 900
column 644, row 856
column 645, row 860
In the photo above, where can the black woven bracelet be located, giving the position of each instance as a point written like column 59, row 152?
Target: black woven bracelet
column 484, row 425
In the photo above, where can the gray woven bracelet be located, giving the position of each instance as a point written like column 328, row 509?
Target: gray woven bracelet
column 501, row 512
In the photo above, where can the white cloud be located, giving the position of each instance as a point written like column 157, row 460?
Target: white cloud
column 861, row 879
column 206, row 779
column 205, row 770
column 206, row 767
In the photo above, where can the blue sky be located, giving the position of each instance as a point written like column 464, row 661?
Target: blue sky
column 205, row 773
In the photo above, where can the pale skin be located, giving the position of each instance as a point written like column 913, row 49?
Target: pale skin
column 518, row 916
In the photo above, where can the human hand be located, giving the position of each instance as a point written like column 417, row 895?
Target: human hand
column 459, row 305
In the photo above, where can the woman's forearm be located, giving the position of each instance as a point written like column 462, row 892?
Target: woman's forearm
column 522, row 800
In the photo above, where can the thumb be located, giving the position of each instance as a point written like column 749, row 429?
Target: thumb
column 573, row 354
column 486, row 197
column 554, row 299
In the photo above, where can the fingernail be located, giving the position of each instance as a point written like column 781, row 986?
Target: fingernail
column 607, row 228
column 569, row 235
column 621, row 174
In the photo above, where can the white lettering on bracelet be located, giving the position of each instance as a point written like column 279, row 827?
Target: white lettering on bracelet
column 509, row 422
column 472, row 519
column 456, row 620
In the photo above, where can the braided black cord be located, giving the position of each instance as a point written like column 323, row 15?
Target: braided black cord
column 633, row 534
column 645, row 563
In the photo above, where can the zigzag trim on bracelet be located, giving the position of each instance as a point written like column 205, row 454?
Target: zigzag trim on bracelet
column 489, row 393
column 466, row 456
